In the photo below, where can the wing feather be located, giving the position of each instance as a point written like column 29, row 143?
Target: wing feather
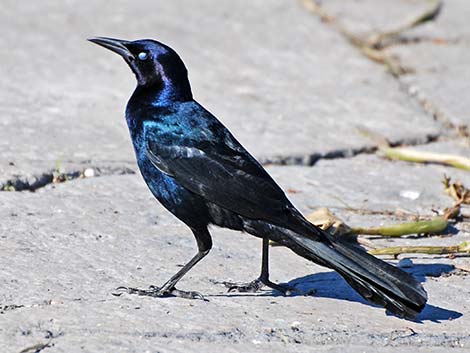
column 225, row 174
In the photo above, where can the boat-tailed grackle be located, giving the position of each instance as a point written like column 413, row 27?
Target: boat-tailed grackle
column 197, row 169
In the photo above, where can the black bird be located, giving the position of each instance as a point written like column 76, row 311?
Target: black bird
column 195, row 167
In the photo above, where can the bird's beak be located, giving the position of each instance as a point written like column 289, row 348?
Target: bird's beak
column 116, row 45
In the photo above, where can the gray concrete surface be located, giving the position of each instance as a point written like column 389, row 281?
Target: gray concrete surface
column 436, row 52
column 75, row 93
column 294, row 92
column 68, row 247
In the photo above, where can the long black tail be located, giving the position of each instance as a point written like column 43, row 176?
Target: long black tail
column 374, row 279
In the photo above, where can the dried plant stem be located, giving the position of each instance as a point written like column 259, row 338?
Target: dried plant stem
column 433, row 250
column 436, row 225
column 410, row 155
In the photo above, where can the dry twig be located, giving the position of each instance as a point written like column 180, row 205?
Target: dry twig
column 411, row 155
column 435, row 250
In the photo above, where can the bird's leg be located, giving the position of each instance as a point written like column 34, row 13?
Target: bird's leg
column 262, row 280
column 168, row 289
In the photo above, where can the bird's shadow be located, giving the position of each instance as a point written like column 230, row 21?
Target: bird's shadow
column 332, row 285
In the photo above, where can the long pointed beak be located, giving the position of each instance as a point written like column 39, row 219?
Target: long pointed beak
column 116, row 45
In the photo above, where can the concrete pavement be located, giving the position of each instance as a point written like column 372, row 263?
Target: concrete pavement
column 293, row 91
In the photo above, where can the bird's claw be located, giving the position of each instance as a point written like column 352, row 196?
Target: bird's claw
column 187, row 294
column 158, row 292
column 120, row 291
column 250, row 287
column 258, row 284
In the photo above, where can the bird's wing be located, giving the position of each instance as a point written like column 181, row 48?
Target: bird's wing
column 222, row 172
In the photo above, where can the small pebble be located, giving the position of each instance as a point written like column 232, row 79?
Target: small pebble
column 89, row 173
column 410, row 194
column 295, row 325
column 413, row 90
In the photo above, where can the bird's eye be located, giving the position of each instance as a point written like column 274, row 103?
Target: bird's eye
column 142, row 56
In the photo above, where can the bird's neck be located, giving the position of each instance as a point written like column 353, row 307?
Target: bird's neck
column 149, row 101
column 163, row 93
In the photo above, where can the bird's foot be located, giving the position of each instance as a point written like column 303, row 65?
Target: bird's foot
column 247, row 287
column 157, row 292
column 258, row 284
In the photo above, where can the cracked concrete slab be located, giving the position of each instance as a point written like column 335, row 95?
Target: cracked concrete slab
column 369, row 182
column 290, row 90
column 370, row 191
column 85, row 237
column 440, row 76
column 437, row 52
column 365, row 17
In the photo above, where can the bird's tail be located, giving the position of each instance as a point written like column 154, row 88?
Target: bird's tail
column 374, row 279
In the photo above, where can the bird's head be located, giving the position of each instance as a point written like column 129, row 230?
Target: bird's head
column 155, row 65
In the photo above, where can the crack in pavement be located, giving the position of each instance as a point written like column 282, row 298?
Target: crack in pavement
column 413, row 91
column 36, row 181
column 27, row 182
column 39, row 180
column 394, row 65
column 310, row 160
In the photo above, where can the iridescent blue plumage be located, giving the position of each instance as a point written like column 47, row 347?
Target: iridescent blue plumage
column 175, row 124
column 195, row 167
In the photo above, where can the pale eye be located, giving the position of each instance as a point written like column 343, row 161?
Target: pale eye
column 142, row 56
